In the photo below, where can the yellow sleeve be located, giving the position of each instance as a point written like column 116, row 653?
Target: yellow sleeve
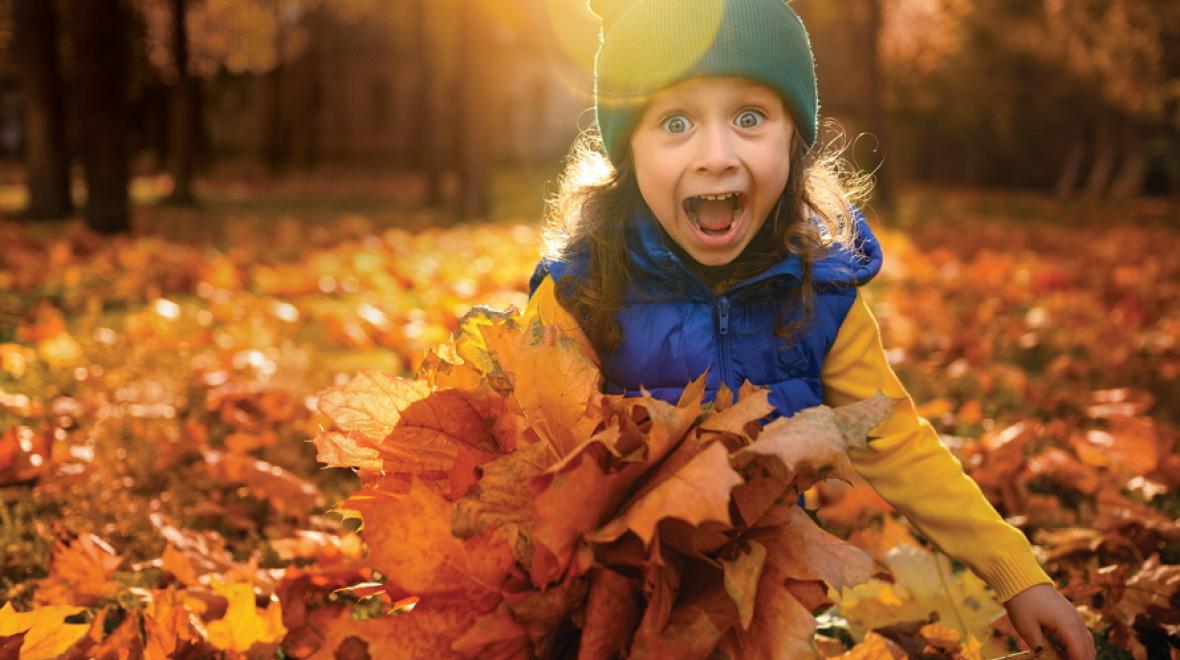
column 911, row 468
column 544, row 304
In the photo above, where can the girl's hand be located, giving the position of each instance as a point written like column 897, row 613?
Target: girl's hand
column 1040, row 609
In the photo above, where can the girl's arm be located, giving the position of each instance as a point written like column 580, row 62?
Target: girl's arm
column 911, row 468
column 915, row 472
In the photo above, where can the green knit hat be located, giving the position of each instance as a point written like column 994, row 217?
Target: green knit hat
column 647, row 45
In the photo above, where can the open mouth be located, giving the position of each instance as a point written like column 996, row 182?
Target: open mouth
column 715, row 215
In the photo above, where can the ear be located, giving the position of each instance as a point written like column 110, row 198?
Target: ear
column 609, row 10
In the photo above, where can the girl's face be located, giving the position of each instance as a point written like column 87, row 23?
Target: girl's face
column 711, row 161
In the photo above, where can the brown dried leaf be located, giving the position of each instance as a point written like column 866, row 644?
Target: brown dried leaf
column 80, row 573
column 410, row 541
column 1155, row 591
column 799, row 549
column 167, row 624
column 742, row 575
column 612, row 614
column 696, row 624
column 504, row 498
column 286, row 492
column 818, row 438
column 733, row 419
column 781, row 627
column 495, row 635
column 696, row 493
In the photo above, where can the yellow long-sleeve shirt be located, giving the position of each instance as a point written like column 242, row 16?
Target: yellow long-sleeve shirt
column 906, row 463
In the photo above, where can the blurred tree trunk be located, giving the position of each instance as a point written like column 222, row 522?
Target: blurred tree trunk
column 430, row 108
column 47, row 158
column 884, row 185
column 1104, row 157
column 417, row 146
column 314, row 60
column 1128, row 180
column 277, row 146
column 99, row 30
column 1071, row 167
column 474, row 198
column 182, row 115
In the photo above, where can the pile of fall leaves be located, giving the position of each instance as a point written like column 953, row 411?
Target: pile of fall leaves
column 162, row 492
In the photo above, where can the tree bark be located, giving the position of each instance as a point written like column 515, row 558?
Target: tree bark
column 182, row 115
column 474, row 200
column 47, row 159
column 100, row 42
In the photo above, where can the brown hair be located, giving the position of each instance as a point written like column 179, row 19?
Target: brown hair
column 595, row 201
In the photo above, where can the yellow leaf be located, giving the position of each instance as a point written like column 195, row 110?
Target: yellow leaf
column 244, row 625
column 46, row 633
column 923, row 585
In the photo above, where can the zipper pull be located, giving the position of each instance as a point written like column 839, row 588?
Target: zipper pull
column 723, row 314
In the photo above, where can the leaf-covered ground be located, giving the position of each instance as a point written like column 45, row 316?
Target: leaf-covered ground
column 159, row 395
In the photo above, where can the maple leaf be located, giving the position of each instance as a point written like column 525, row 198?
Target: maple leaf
column 696, row 624
column 558, row 527
column 243, row 625
column 46, row 633
column 503, row 499
column 780, row 627
column 371, row 402
column 612, row 614
column 80, row 573
column 923, row 585
column 347, row 450
column 286, row 492
column 734, row 418
column 799, row 549
column 1152, row 590
column 495, row 635
column 551, row 379
column 742, row 575
column 124, row 640
column 428, row 631
column 167, row 624
column 696, row 493
column 819, row 437
column 435, row 561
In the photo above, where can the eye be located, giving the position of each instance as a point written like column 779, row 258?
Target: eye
column 750, row 118
column 676, row 124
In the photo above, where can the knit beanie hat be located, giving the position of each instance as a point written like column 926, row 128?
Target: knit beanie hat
column 647, row 45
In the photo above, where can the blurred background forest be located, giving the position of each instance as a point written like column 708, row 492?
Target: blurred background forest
column 1075, row 98
column 211, row 211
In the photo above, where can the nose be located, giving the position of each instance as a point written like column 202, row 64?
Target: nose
column 717, row 152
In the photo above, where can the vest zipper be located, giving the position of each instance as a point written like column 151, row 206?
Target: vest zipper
column 723, row 340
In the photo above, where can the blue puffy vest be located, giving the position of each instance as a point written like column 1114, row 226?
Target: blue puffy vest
column 675, row 327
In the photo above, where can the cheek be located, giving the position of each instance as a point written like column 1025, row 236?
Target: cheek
column 657, row 190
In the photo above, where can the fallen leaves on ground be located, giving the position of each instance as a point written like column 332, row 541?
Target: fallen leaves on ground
column 158, row 401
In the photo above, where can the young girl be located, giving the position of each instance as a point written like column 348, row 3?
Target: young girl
column 715, row 238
